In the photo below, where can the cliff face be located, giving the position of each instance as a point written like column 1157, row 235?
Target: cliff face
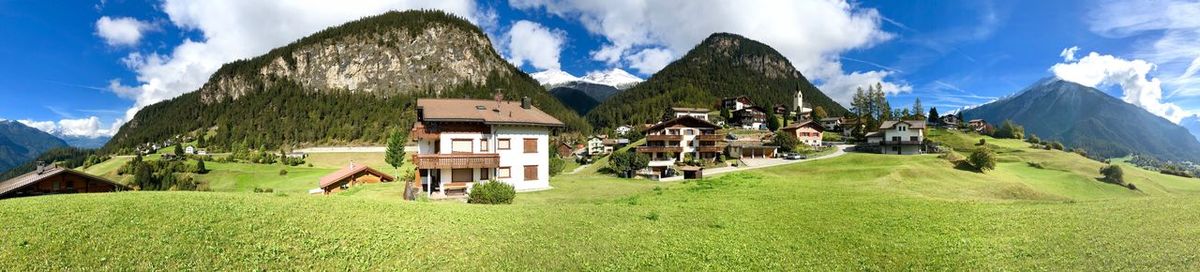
column 385, row 62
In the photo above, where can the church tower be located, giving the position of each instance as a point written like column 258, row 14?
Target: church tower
column 798, row 103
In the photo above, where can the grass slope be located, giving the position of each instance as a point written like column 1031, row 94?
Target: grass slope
column 855, row 212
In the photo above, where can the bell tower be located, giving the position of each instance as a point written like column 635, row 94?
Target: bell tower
column 798, row 101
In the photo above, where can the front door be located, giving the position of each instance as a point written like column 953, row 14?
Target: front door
column 435, row 180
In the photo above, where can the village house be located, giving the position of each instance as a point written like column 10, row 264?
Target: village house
column 977, row 124
column 564, row 149
column 595, row 145
column 461, row 142
column 190, row 150
column 750, row 148
column 808, row 132
column 905, row 137
column 623, row 130
column 751, row 117
column 736, row 103
column 848, row 126
column 676, row 112
column 350, row 176
column 831, row 123
column 613, row 144
column 53, row 179
column 949, row 121
column 680, row 138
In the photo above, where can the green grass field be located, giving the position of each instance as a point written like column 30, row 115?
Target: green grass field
column 855, row 212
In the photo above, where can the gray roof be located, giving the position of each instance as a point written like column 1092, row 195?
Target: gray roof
column 917, row 124
column 32, row 177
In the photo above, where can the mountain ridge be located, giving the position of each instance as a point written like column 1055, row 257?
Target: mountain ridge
column 20, row 143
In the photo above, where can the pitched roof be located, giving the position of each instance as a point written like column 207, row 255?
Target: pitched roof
column 32, row 177
column 917, row 124
column 811, row 124
column 831, row 119
column 683, row 109
column 485, row 111
column 686, row 120
column 351, row 170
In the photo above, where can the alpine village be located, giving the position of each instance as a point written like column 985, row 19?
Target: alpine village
column 404, row 141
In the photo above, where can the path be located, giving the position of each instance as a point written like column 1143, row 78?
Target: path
column 761, row 163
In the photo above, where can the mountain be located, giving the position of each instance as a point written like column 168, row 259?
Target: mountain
column 1192, row 123
column 1082, row 116
column 84, row 141
column 20, row 143
column 552, row 78
column 576, row 99
column 616, row 77
column 723, row 65
column 345, row 85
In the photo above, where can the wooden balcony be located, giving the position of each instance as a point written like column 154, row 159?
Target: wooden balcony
column 711, row 137
column 653, row 138
column 900, row 142
column 442, row 161
column 714, row 149
column 659, row 149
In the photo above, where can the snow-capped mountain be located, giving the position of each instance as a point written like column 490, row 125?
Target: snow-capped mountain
column 553, row 77
column 615, row 77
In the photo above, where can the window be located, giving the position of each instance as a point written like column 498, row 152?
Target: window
column 895, row 138
column 485, row 174
column 461, row 146
column 688, row 132
column 531, row 172
column 483, row 145
column 504, row 172
column 503, row 144
column 531, row 146
column 462, row 175
column 913, row 138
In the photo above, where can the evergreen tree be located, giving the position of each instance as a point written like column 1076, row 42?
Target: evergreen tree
column 917, row 109
column 395, row 149
column 819, row 113
column 933, row 116
column 178, row 150
column 200, row 169
column 773, row 122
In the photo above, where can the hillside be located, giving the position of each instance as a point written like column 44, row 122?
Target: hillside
column 349, row 84
column 1192, row 124
column 723, row 65
column 1080, row 116
column 576, row 99
column 20, row 144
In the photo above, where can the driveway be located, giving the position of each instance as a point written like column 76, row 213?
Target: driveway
column 760, row 163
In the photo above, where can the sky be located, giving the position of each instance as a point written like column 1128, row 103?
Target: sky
column 82, row 68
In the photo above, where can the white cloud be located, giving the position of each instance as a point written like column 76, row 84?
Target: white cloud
column 650, row 60
column 1132, row 76
column 812, row 34
column 531, row 42
column 1068, row 54
column 85, row 127
column 237, row 29
column 122, row 31
column 863, row 80
column 1166, row 33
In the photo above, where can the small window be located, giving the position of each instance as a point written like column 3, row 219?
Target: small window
column 461, row 175
column 485, row 174
column 531, row 146
column 461, row 146
column 503, row 144
column 531, row 172
column 483, row 145
column 504, row 172
column 913, row 138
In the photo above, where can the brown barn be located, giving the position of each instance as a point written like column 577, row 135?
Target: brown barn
column 48, row 180
column 351, row 176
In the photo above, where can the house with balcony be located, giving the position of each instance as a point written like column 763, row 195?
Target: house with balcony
column 676, row 112
column 461, row 142
column 807, row 132
column 904, row 137
column 751, row 117
column 681, row 138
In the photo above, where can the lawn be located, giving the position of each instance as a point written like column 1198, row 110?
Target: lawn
column 854, row 212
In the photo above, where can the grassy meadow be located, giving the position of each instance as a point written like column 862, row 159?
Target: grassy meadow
column 854, row 212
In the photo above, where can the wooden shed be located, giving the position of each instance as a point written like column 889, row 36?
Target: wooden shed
column 350, row 176
column 48, row 180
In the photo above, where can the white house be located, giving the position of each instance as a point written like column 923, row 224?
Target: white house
column 676, row 112
column 736, row 103
column 687, row 136
column 622, row 130
column 189, row 150
column 831, row 123
column 461, row 142
column 903, row 137
column 595, row 145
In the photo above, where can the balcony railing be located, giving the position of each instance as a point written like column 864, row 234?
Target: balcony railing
column 710, row 149
column 664, row 137
column 711, row 137
column 659, row 149
column 900, row 142
column 442, row 161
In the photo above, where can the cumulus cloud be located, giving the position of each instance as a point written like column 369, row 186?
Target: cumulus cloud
column 1068, row 54
column 531, row 42
column 1138, row 87
column 812, row 34
column 237, row 29
column 1166, row 33
column 90, row 127
column 864, row 80
column 121, row 31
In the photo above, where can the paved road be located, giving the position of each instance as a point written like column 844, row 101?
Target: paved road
column 760, row 163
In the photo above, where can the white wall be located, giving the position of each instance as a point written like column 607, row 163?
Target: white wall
column 516, row 158
column 904, row 135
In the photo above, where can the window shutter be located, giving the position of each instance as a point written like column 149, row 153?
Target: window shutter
column 531, row 172
column 531, row 146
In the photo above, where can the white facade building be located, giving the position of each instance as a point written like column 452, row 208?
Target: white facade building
column 461, row 142
column 903, row 137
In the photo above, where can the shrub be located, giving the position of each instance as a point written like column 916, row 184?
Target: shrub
column 283, row 172
column 983, row 159
column 1113, row 174
column 1057, row 145
column 556, row 164
column 1080, row 151
column 982, row 141
column 1037, row 165
column 492, row 192
column 1033, row 139
column 786, row 142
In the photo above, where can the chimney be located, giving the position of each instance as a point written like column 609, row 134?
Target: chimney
column 525, row 102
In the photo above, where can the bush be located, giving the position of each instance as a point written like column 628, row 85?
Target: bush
column 1113, row 174
column 786, row 142
column 1033, row 139
column 1056, row 145
column 982, row 141
column 283, row 172
column 983, row 159
column 492, row 192
column 556, row 164
column 626, row 161
column 1037, row 165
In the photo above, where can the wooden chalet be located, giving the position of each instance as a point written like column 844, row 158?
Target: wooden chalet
column 351, row 176
column 48, row 180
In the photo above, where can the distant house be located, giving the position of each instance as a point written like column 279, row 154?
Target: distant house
column 977, row 124
column 352, row 175
column 751, row 117
column 564, row 150
column 190, row 150
column 613, row 144
column 849, row 125
column 676, row 112
column 52, row 179
column 950, row 120
column 202, row 152
column 595, row 144
column 682, row 137
column 754, row 148
column 297, row 155
column 905, row 137
column 831, row 123
column 736, row 103
column 622, row 130
column 808, row 132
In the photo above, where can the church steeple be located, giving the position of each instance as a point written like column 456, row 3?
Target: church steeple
column 798, row 101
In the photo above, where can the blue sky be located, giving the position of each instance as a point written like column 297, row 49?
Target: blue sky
column 81, row 67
